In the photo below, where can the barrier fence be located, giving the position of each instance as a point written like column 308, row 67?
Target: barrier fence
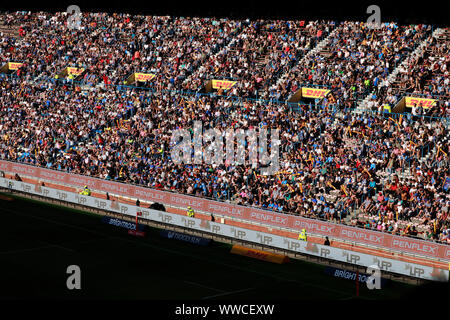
column 268, row 218
column 241, row 234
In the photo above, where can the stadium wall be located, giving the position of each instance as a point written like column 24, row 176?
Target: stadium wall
column 266, row 239
column 289, row 222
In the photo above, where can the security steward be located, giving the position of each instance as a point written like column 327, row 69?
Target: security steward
column 190, row 212
column 86, row 191
column 302, row 236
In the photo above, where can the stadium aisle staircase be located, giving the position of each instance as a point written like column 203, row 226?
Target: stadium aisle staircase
column 318, row 48
column 419, row 50
column 225, row 47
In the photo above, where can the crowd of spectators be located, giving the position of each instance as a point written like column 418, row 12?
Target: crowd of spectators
column 355, row 60
column 388, row 173
column 424, row 75
column 330, row 165
column 111, row 47
column 264, row 57
column 260, row 53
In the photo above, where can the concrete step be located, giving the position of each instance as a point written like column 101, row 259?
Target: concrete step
column 306, row 58
column 392, row 78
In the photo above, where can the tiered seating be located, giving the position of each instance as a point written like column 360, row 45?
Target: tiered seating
column 427, row 76
column 356, row 61
column 335, row 165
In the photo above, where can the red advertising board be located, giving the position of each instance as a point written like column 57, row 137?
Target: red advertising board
column 268, row 218
column 5, row 166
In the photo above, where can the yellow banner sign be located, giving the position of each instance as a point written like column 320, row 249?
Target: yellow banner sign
column 314, row 93
column 223, row 84
column 14, row 65
column 142, row 77
column 74, row 71
column 416, row 102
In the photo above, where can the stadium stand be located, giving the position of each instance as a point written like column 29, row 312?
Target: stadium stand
column 355, row 60
column 377, row 170
column 261, row 51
